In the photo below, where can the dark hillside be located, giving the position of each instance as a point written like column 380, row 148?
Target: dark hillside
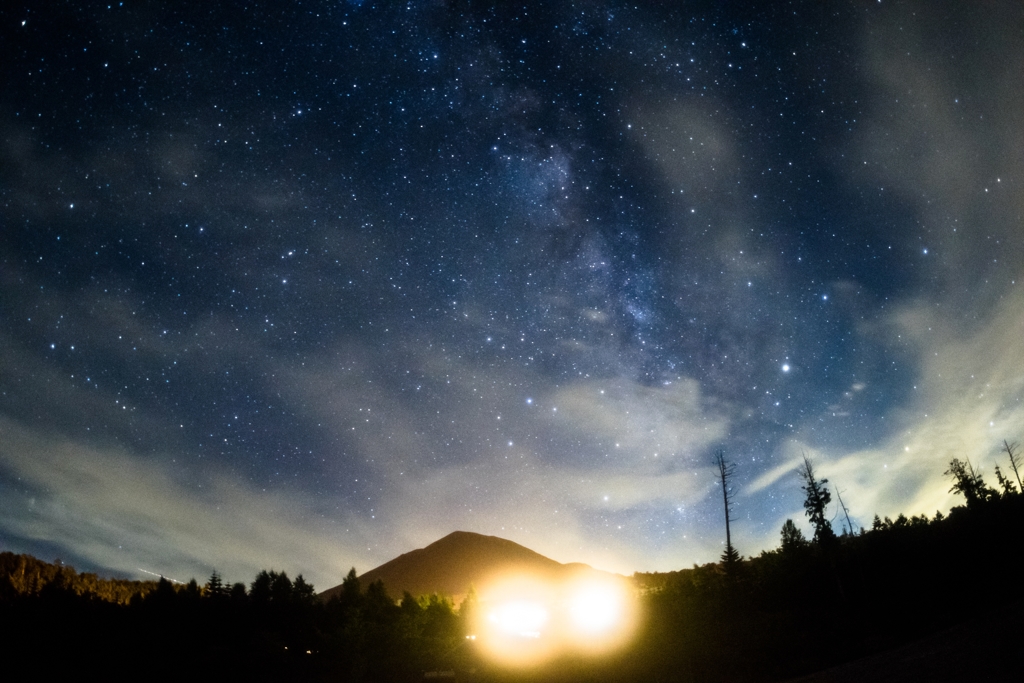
column 910, row 599
column 453, row 564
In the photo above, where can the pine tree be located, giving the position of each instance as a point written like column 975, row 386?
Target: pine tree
column 302, row 590
column 280, row 587
column 351, row 591
column 968, row 482
column 792, row 537
column 259, row 591
column 1009, row 488
column 215, row 586
column 817, row 499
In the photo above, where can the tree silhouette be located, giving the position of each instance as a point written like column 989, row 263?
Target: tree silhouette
column 302, row 590
column 725, row 472
column 164, row 594
column 792, row 537
column 1009, row 488
column 968, row 482
column 1015, row 461
column 351, row 592
column 468, row 610
column 280, row 587
column 815, row 503
column 238, row 591
column 191, row 590
column 215, row 586
column 849, row 524
column 259, row 591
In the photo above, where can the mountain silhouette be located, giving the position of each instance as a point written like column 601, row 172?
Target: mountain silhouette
column 462, row 559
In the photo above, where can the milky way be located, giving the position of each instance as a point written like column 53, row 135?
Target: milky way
column 304, row 286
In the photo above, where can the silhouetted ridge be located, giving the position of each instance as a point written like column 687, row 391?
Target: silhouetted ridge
column 461, row 559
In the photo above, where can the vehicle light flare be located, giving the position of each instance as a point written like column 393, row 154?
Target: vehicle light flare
column 526, row 620
column 595, row 608
column 520, row 617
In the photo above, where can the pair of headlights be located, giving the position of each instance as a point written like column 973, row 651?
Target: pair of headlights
column 524, row 620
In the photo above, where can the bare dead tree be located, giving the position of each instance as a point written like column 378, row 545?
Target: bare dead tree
column 849, row 524
column 1016, row 461
column 725, row 472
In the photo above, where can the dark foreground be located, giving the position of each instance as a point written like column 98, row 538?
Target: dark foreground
column 985, row 649
column 909, row 600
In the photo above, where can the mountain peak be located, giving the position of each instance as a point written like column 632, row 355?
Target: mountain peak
column 454, row 563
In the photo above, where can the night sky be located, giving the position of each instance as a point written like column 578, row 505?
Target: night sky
column 308, row 285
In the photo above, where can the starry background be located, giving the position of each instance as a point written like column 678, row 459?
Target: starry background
column 307, row 285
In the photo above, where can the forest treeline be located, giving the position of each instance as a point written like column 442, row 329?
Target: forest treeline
column 806, row 605
column 25, row 575
column 63, row 623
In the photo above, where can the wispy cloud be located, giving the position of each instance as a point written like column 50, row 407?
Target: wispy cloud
column 124, row 512
column 968, row 400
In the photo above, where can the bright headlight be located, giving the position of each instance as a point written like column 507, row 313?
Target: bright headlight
column 525, row 620
column 594, row 608
column 519, row 618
